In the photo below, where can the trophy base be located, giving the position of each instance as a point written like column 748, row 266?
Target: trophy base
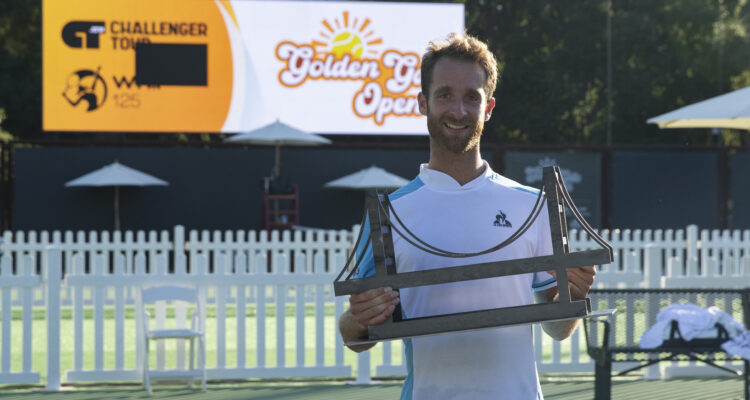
column 592, row 314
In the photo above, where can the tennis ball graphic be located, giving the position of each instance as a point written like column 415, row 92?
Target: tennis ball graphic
column 346, row 43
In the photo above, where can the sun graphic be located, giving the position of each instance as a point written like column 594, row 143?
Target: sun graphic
column 343, row 37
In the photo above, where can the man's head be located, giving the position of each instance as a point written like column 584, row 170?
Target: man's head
column 461, row 47
column 458, row 78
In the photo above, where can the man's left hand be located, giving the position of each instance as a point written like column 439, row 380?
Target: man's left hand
column 580, row 280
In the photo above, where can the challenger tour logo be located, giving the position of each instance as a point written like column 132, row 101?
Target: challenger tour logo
column 348, row 50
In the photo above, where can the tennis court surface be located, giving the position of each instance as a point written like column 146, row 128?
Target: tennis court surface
column 554, row 387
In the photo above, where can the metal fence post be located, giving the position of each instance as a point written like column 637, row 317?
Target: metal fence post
column 53, row 267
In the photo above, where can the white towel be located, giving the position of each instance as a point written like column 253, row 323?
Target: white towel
column 692, row 320
column 738, row 345
column 733, row 327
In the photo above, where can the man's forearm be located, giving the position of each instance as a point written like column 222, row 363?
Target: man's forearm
column 580, row 280
column 558, row 330
column 351, row 329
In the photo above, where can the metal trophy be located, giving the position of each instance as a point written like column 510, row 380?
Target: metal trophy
column 384, row 221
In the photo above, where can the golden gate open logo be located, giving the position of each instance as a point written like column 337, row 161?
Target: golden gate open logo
column 348, row 50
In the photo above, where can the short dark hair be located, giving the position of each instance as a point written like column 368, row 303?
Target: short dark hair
column 460, row 46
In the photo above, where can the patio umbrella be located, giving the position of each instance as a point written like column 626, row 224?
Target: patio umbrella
column 368, row 178
column 278, row 134
column 116, row 175
column 730, row 110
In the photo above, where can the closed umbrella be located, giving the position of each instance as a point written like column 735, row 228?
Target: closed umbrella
column 278, row 134
column 730, row 110
column 368, row 178
column 116, row 175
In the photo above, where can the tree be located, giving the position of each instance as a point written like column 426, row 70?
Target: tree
column 21, row 67
column 671, row 54
column 665, row 54
column 552, row 85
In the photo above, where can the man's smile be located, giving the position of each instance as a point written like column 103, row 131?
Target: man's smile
column 455, row 127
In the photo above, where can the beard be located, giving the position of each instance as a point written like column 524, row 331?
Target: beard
column 457, row 144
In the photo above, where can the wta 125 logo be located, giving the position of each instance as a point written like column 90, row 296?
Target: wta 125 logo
column 347, row 49
column 85, row 86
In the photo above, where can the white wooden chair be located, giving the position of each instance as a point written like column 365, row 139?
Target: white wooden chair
column 173, row 294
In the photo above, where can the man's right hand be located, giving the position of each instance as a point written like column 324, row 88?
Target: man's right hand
column 374, row 306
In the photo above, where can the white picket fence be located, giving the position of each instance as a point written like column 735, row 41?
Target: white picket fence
column 247, row 275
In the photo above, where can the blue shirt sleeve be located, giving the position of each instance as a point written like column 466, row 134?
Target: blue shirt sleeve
column 363, row 254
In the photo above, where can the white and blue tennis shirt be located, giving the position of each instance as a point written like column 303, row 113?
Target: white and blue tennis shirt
column 495, row 363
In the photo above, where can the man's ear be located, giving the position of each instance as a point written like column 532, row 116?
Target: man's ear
column 489, row 108
column 422, row 100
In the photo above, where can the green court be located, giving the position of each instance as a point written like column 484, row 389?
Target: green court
column 554, row 387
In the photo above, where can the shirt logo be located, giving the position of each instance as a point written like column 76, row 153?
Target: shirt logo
column 501, row 221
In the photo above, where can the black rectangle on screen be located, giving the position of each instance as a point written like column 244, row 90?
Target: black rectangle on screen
column 171, row 64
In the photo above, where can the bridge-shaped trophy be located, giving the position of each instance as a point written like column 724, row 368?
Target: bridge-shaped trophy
column 384, row 222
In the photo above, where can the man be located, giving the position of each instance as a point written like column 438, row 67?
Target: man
column 455, row 204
